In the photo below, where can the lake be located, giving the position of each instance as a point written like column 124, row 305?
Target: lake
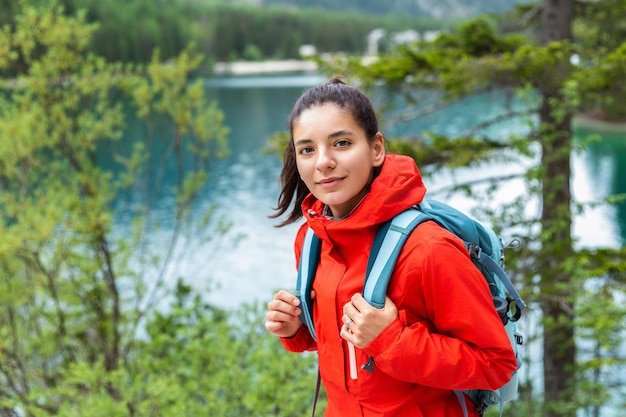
column 245, row 187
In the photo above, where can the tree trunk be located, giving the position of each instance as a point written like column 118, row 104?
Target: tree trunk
column 557, row 283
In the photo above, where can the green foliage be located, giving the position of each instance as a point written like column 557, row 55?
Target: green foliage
column 224, row 363
column 604, row 96
column 252, row 53
column 599, row 30
column 194, row 360
column 81, row 335
column 131, row 30
column 438, row 151
column 81, row 332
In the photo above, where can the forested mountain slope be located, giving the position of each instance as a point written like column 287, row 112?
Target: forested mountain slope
column 253, row 30
column 439, row 9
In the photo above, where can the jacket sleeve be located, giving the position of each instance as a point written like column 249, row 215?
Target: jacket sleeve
column 458, row 340
column 302, row 340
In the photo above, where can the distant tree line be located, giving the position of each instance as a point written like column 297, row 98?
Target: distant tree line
column 450, row 8
column 278, row 33
column 130, row 30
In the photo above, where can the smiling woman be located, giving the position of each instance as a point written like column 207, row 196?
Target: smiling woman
column 419, row 348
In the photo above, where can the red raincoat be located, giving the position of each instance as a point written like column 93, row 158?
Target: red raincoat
column 448, row 335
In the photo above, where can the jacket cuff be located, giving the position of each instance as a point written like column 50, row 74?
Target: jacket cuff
column 300, row 341
column 385, row 339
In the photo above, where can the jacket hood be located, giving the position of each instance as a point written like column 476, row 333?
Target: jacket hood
column 397, row 187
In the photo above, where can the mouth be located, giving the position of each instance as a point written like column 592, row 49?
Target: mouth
column 329, row 182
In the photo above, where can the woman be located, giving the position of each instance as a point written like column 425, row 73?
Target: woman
column 438, row 330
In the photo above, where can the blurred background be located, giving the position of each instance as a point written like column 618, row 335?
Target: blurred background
column 140, row 160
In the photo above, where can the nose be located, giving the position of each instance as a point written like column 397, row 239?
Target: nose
column 325, row 159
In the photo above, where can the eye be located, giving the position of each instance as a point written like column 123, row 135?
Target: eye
column 305, row 150
column 342, row 143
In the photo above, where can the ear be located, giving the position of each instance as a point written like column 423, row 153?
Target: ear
column 378, row 150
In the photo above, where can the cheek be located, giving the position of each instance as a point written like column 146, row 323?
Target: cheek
column 364, row 169
column 302, row 169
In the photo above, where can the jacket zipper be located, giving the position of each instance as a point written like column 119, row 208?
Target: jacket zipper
column 352, row 358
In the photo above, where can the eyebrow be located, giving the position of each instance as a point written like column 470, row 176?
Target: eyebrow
column 300, row 142
column 339, row 133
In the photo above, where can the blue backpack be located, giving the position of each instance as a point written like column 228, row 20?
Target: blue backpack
column 486, row 252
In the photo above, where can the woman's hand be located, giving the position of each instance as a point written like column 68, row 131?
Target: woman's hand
column 282, row 314
column 363, row 322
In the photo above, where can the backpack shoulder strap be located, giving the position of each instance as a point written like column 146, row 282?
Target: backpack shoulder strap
column 474, row 236
column 385, row 250
column 389, row 241
column 309, row 258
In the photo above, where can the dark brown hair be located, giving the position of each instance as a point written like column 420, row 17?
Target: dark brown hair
column 347, row 98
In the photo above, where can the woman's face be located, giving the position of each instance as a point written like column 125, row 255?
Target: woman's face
column 334, row 158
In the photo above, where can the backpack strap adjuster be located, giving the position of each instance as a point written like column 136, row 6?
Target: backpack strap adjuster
column 474, row 250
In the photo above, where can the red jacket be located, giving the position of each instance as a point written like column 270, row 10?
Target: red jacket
column 448, row 335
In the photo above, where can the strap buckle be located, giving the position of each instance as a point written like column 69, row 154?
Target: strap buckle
column 474, row 250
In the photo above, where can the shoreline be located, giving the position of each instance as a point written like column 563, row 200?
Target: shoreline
column 294, row 66
column 263, row 67
column 583, row 120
